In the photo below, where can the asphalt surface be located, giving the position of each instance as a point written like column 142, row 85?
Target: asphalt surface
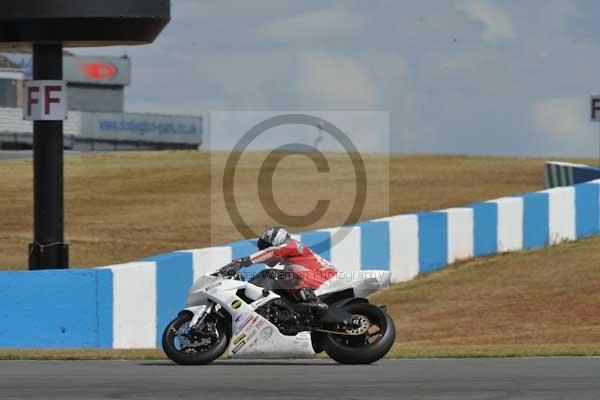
column 533, row 378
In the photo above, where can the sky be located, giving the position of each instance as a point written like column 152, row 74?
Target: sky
column 477, row 77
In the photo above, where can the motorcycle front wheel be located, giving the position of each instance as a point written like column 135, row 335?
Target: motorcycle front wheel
column 368, row 342
column 198, row 346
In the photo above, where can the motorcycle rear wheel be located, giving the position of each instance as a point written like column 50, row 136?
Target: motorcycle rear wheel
column 188, row 355
column 368, row 347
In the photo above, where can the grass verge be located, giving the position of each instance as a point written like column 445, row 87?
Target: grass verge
column 125, row 206
column 542, row 302
column 532, row 303
column 120, row 207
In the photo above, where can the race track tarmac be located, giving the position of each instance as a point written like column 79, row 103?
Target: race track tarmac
column 533, row 378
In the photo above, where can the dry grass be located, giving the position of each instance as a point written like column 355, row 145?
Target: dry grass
column 486, row 351
column 399, row 351
column 544, row 302
column 122, row 207
column 537, row 303
column 81, row 354
column 125, row 206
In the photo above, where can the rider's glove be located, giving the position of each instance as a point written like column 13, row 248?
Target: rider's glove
column 241, row 262
column 233, row 267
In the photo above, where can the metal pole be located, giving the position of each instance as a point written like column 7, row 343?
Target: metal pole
column 48, row 251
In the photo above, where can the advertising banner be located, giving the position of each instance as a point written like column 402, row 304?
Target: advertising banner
column 142, row 128
column 115, row 71
column 97, row 70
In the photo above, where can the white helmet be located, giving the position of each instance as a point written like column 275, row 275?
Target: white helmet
column 275, row 236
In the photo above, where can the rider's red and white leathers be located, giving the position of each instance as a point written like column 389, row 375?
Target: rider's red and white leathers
column 312, row 269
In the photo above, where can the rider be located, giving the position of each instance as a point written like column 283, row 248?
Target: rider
column 276, row 246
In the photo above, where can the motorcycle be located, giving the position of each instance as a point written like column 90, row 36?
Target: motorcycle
column 260, row 318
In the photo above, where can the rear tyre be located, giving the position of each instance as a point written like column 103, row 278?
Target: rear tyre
column 195, row 347
column 365, row 348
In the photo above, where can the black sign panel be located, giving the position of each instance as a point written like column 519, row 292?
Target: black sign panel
column 82, row 22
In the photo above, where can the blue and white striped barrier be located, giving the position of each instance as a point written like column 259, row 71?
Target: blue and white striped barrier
column 566, row 174
column 128, row 305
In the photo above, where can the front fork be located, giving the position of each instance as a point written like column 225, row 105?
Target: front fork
column 199, row 313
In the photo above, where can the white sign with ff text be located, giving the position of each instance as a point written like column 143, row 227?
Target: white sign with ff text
column 45, row 101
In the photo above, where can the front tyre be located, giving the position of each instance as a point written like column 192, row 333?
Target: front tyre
column 367, row 343
column 198, row 346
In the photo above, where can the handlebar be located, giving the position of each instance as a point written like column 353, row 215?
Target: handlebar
column 228, row 271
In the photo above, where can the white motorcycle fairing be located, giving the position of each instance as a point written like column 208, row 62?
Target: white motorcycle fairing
column 252, row 335
column 363, row 283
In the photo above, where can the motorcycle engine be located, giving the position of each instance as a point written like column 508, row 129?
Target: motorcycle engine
column 284, row 318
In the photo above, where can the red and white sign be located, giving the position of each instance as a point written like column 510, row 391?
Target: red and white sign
column 98, row 70
column 45, row 101
column 595, row 108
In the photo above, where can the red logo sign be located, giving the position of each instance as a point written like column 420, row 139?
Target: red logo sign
column 99, row 71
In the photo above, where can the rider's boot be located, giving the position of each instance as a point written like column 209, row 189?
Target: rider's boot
column 311, row 301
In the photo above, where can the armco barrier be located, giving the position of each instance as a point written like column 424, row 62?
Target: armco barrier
column 566, row 174
column 128, row 305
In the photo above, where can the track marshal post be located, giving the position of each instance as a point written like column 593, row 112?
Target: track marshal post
column 46, row 27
